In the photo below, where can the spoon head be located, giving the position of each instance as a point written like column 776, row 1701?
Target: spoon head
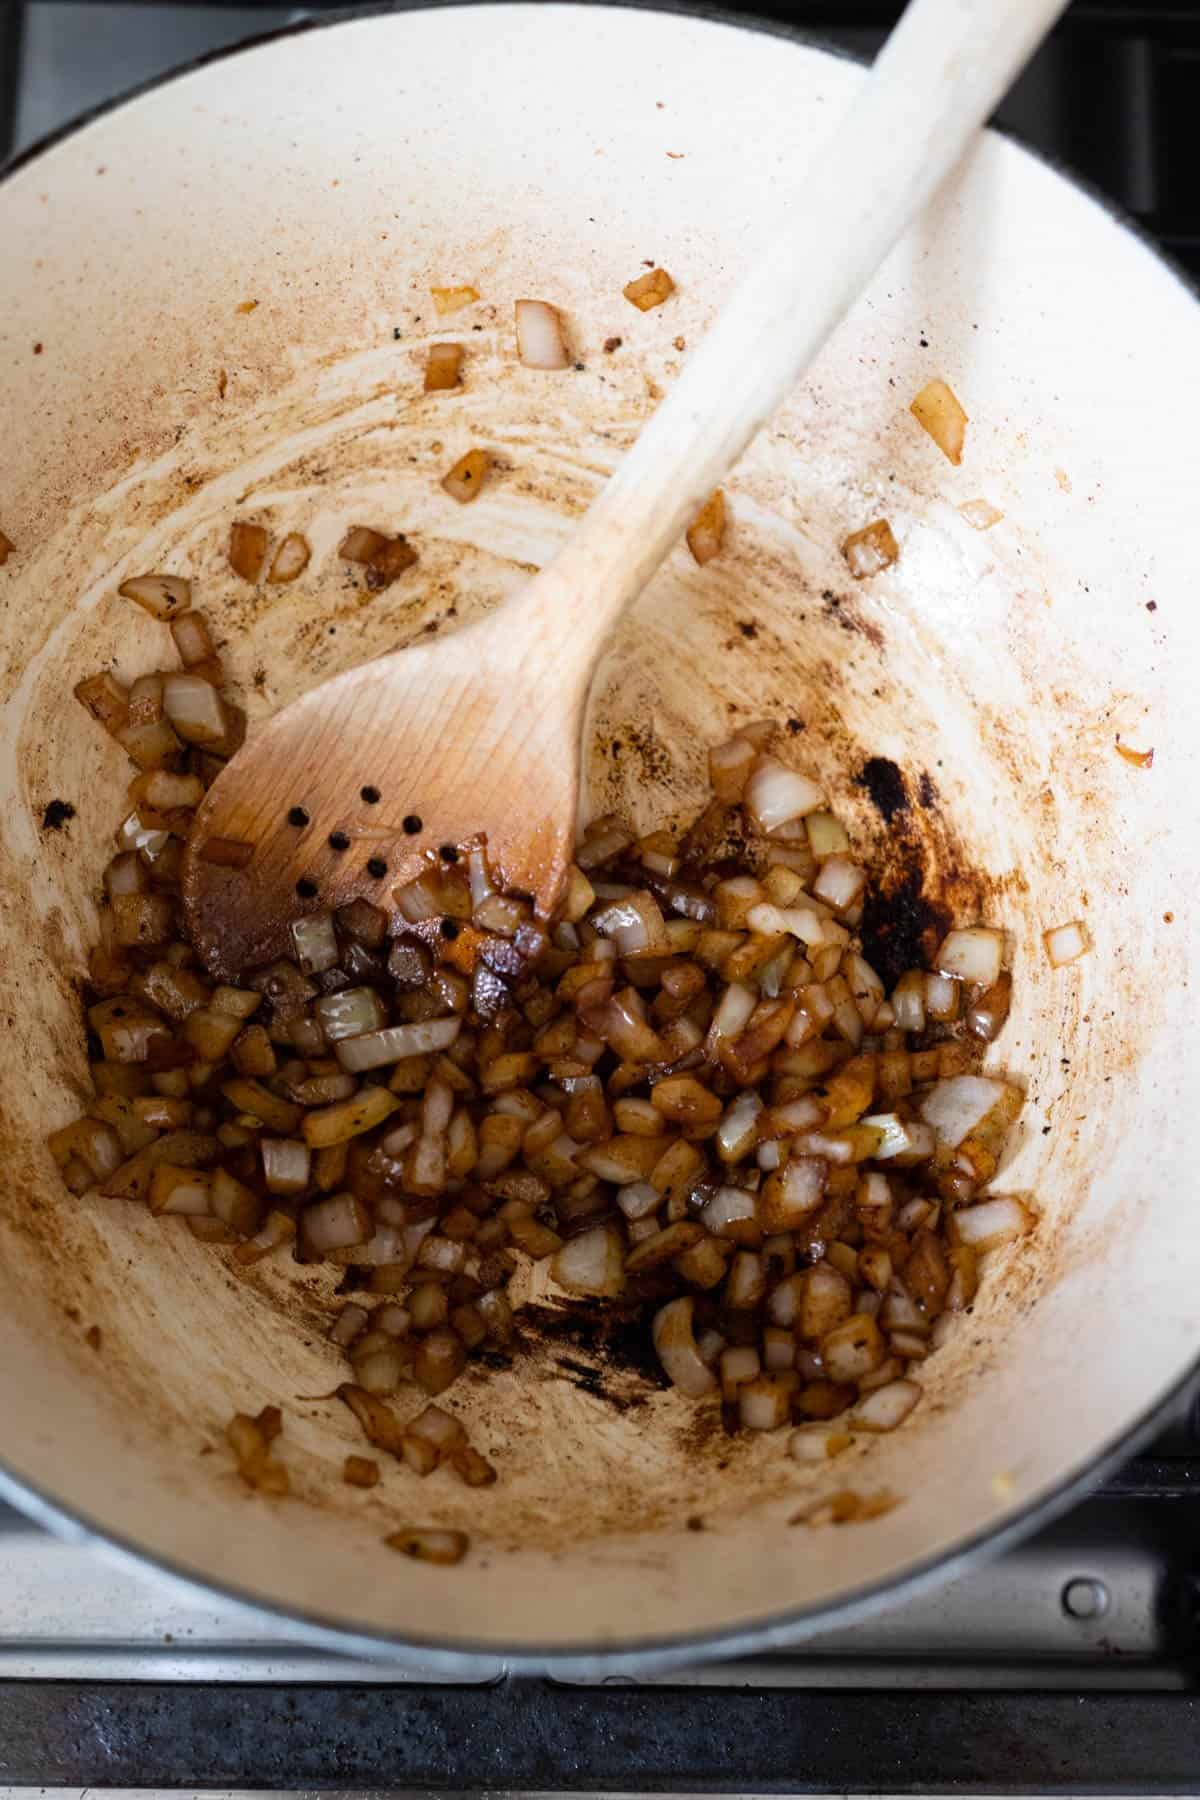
column 356, row 788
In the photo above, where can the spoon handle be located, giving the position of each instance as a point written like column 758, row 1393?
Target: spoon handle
column 934, row 84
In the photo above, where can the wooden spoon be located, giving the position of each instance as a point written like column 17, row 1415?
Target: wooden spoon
column 479, row 732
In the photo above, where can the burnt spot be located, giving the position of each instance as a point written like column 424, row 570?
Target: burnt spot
column 901, row 925
column 927, row 794
column 57, row 814
column 748, row 628
column 883, row 781
column 844, row 611
column 604, row 1350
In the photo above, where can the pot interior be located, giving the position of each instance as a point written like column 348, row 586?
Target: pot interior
column 220, row 308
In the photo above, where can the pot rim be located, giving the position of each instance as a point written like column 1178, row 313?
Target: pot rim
column 471, row 1661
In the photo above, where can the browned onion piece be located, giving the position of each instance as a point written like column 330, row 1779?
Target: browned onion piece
column 425, row 1543
column 290, row 559
column 465, row 480
column 706, row 533
column 443, row 367
column 247, row 549
column 649, row 290
column 937, row 409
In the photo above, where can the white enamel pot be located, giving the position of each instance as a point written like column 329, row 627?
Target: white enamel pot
column 215, row 302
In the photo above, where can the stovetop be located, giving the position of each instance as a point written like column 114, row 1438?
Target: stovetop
column 1070, row 1664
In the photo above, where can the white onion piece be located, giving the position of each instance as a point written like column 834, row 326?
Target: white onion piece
column 351, row 1013
column 908, row 1002
column 638, row 1199
column 285, row 1164
column 764, row 1404
column 729, row 1206
column 972, row 955
column 592, row 1263
column 904, row 1140
column 733, row 1010
column 839, row 882
column 194, row 708
column 768, row 1156
column 775, row 795
column 380, row 1371
column 497, row 913
column 1066, row 943
column 374, row 1049
column 852, row 1349
column 419, row 900
column 738, row 1129
column 741, row 1363
column 635, row 925
column 348, row 1325
column 479, row 877
column 817, row 1443
column 886, row 1407
column 794, row 1192
column 336, row 1223
column 992, row 1222
column 540, row 340
column 675, row 1345
column 799, row 921
column 316, row 945
column 954, row 1107
column 804, row 1114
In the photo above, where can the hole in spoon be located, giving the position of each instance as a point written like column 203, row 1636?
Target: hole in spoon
column 449, row 928
column 338, row 840
column 297, row 817
column 306, row 888
column 371, row 795
column 377, row 868
column 412, row 824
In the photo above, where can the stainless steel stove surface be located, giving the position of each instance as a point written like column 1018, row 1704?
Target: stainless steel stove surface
column 1070, row 1664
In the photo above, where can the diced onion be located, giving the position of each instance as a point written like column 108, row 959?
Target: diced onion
column 291, row 559
column 541, row 343
column 1067, row 943
column 376, row 1048
column 973, row 955
column 937, row 409
column 992, row 1222
column 163, row 596
column 954, row 1107
column 592, row 1263
column 352, row 1013
column 818, row 1442
column 316, row 945
column 675, row 1344
column 775, row 795
column 886, row 1407
column 869, row 551
column 980, row 514
column 195, row 709
column 649, row 290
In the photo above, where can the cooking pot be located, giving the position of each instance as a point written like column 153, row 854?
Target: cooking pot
column 216, row 304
